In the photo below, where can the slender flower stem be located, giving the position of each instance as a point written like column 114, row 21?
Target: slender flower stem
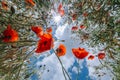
column 62, row 66
column 78, row 68
column 64, row 74
column 25, row 41
column 30, row 53
column 60, row 40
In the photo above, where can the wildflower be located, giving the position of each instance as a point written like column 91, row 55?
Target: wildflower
column 61, row 10
column 4, row 5
column 74, row 28
column 60, row 7
column 91, row 57
column 31, row 2
column 10, row 35
column 49, row 30
column 79, row 53
column 61, row 50
column 74, row 16
column 38, row 30
column 101, row 55
column 85, row 14
column 82, row 26
column 45, row 43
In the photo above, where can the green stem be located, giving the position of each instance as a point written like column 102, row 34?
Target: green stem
column 25, row 41
column 60, row 40
column 64, row 74
column 62, row 66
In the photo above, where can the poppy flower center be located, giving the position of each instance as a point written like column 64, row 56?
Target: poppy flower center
column 45, row 43
column 59, row 50
column 7, row 37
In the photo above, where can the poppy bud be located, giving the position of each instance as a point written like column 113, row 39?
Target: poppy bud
column 101, row 55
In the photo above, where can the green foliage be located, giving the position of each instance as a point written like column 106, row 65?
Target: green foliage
column 102, row 28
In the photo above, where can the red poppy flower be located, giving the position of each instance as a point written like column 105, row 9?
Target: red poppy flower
column 74, row 16
column 45, row 43
column 101, row 55
column 85, row 14
column 91, row 57
column 80, row 53
column 82, row 26
column 49, row 30
column 4, row 5
column 38, row 30
column 61, row 50
column 31, row 2
column 60, row 7
column 74, row 28
column 10, row 35
column 61, row 10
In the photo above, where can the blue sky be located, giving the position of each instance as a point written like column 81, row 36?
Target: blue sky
column 48, row 61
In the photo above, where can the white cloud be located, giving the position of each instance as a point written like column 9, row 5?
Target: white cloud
column 52, row 63
column 74, row 69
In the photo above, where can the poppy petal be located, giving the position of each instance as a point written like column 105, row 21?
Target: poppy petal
column 49, row 30
column 61, row 50
column 4, row 5
column 31, row 2
column 45, row 43
column 10, row 35
column 74, row 28
column 91, row 57
column 59, row 7
column 38, row 30
column 74, row 16
column 82, row 26
column 79, row 53
column 101, row 55
column 61, row 10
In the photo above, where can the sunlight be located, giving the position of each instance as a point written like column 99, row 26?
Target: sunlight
column 57, row 18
